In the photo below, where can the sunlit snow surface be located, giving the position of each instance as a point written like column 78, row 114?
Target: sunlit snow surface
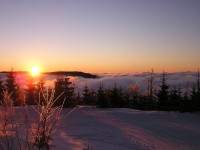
column 127, row 129
column 90, row 128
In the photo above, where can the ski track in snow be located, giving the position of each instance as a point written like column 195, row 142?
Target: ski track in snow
column 127, row 129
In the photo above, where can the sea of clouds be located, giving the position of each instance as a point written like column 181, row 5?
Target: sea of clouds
column 124, row 80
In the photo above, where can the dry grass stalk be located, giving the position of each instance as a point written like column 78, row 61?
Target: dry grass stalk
column 48, row 119
column 8, row 126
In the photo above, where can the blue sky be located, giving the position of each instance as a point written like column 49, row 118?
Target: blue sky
column 100, row 35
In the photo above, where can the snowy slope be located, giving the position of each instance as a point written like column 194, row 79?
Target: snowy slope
column 127, row 129
column 89, row 128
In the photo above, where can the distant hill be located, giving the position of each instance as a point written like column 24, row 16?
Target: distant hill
column 67, row 73
column 73, row 73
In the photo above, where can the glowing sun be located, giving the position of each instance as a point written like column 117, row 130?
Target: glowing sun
column 35, row 71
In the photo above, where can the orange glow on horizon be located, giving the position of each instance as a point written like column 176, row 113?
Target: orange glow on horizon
column 35, row 69
column 122, row 69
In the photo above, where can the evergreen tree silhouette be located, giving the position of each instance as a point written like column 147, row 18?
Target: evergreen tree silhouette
column 102, row 98
column 195, row 94
column 186, row 103
column 79, row 98
column 64, row 89
column 163, row 93
column 198, row 90
column 87, row 95
column 1, row 88
column 116, row 97
column 198, row 82
column 31, row 93
column 186, row 93
column 12, row 86
column 175, row 99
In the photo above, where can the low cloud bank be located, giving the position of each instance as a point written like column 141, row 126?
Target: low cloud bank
column 180, row 80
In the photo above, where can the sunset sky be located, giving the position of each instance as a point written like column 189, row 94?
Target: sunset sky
column 100, row 35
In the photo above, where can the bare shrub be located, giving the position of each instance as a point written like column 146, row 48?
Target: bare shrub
column 38, row 133
column 48, row 118
column 8, row 126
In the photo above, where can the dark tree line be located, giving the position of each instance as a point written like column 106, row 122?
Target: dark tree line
column 165, row 97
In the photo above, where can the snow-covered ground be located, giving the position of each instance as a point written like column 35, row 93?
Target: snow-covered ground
column 90, row 128
column 127, row 129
